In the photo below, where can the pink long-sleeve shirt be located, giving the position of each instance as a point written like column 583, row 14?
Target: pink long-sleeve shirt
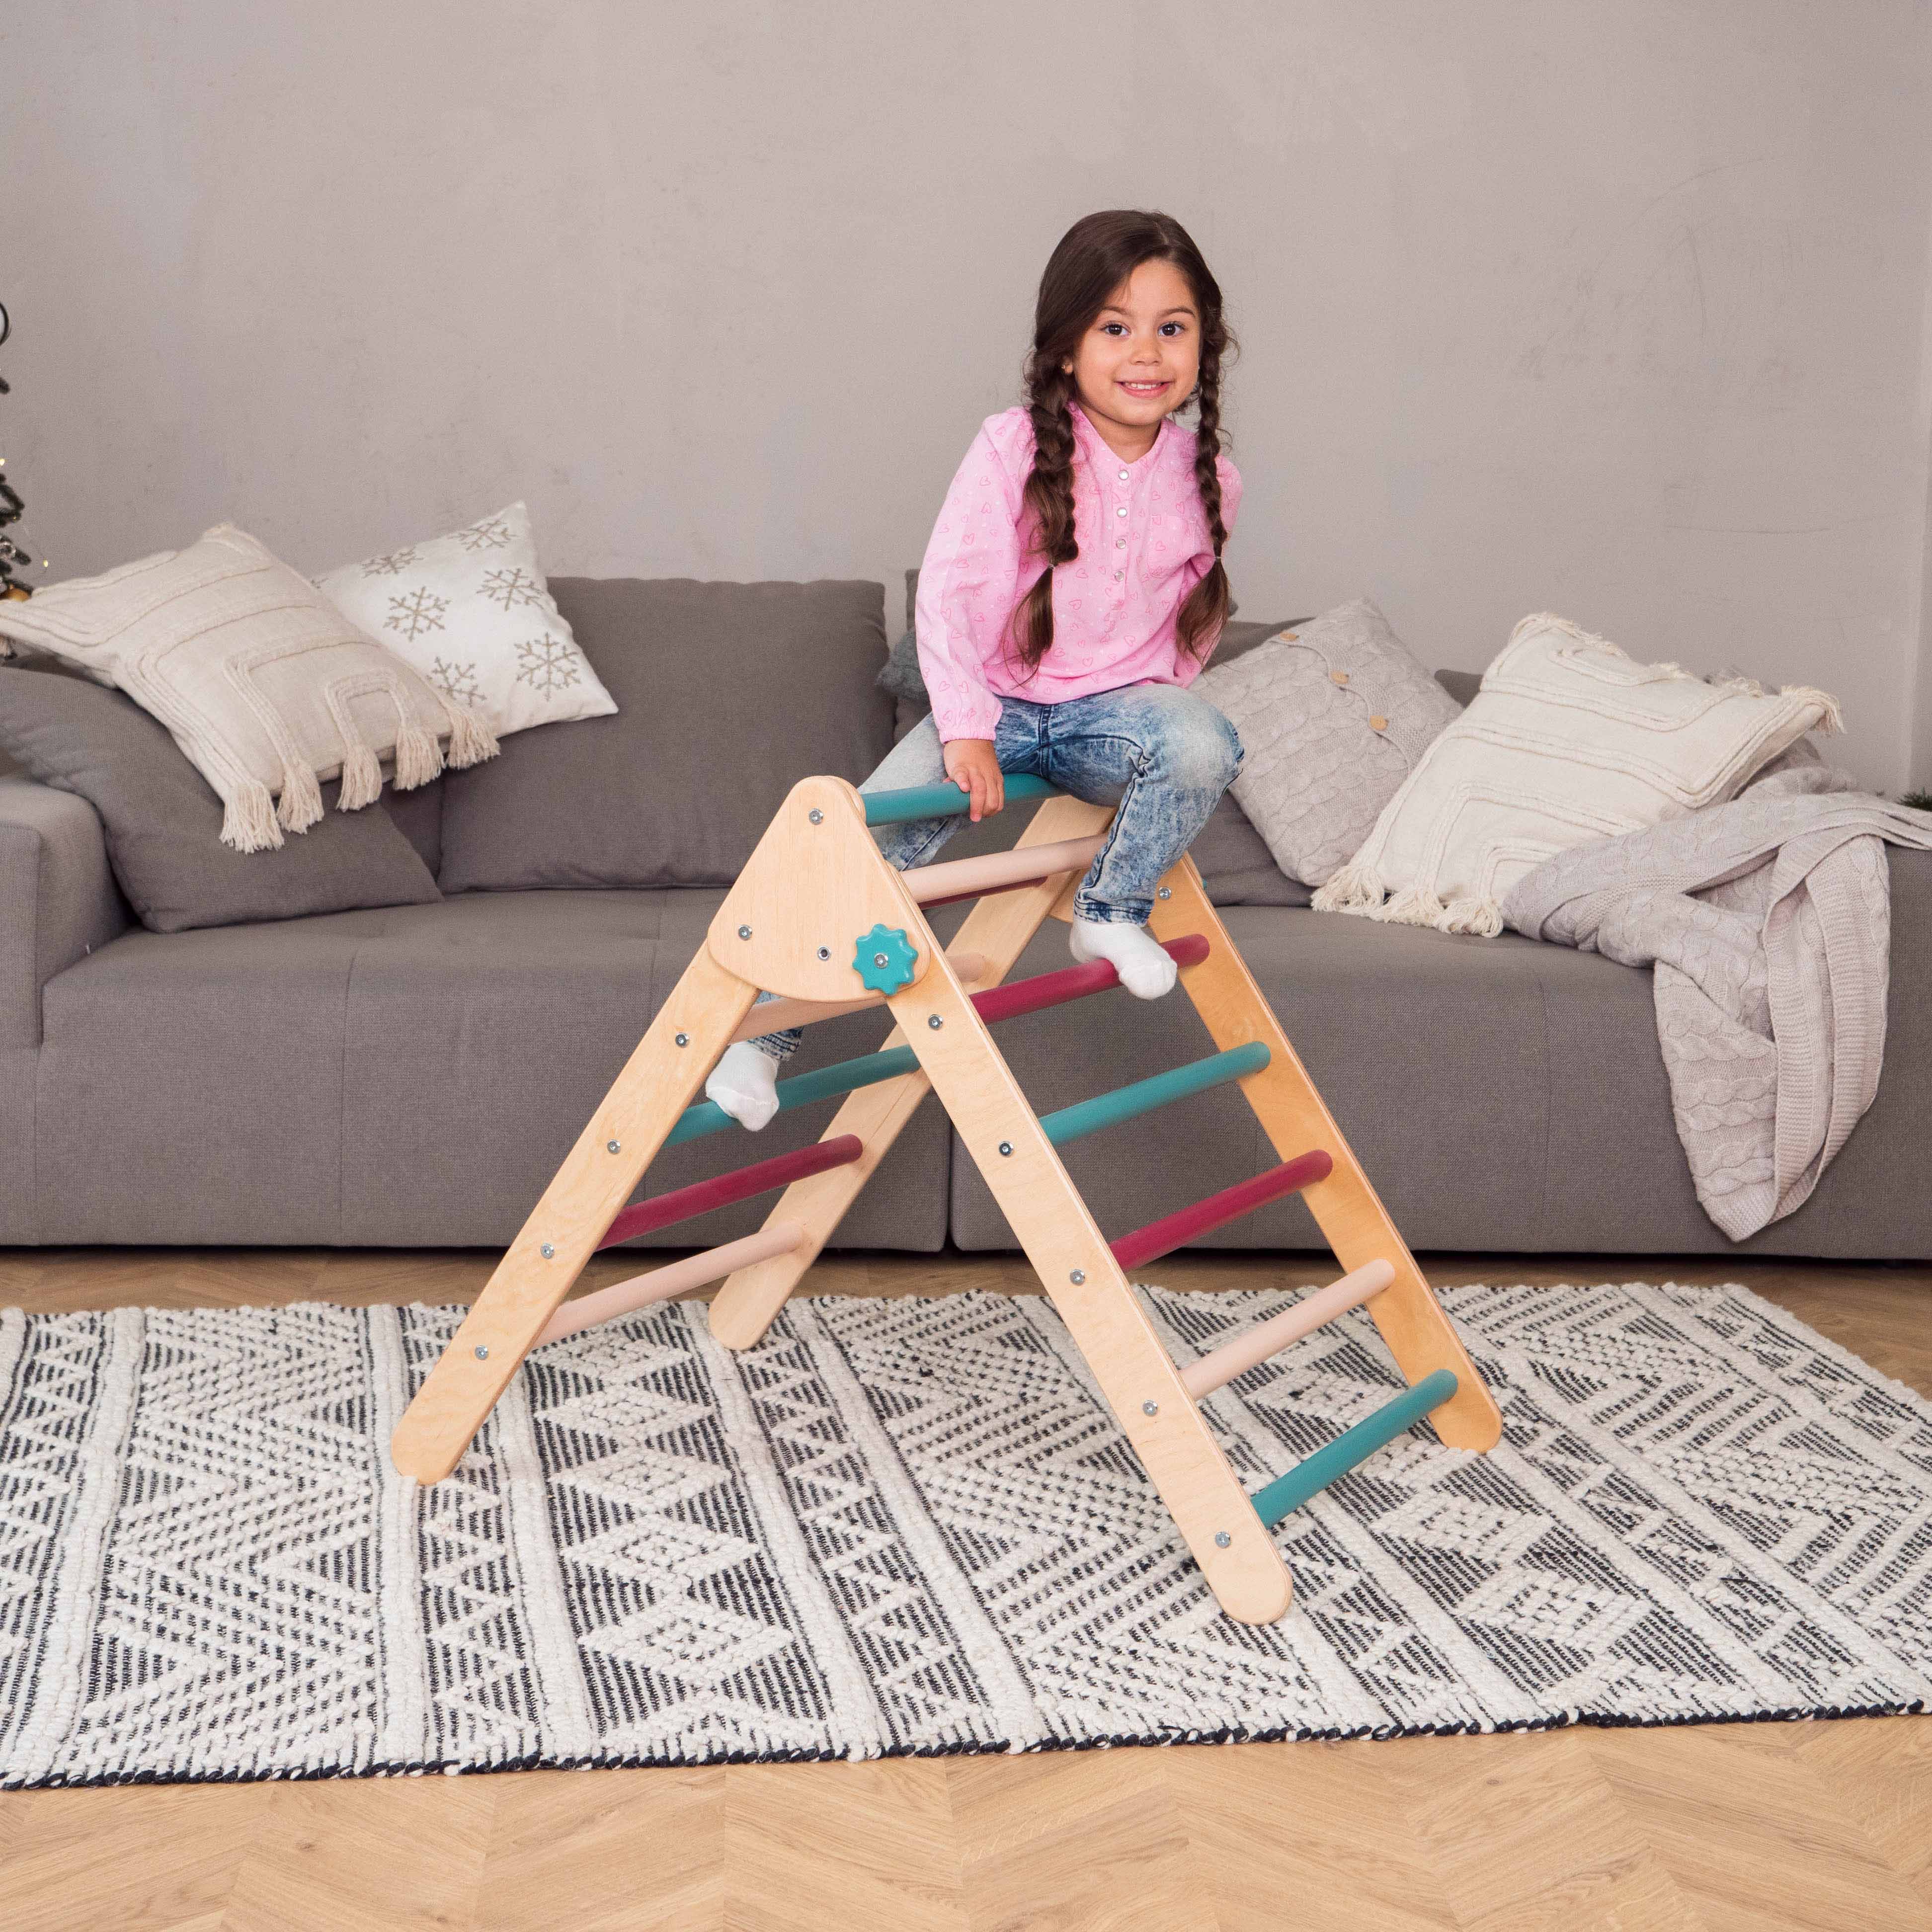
column 1144, row 546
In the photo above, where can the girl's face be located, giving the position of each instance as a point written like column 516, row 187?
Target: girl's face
column 1138, row 362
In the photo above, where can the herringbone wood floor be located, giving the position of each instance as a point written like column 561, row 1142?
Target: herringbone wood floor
column 1737, row 1828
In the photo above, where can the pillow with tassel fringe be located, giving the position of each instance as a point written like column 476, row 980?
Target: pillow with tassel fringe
column 263, row 682
column 1568, row 739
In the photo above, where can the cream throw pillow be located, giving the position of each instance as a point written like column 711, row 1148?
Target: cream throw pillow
column 472, row 612
column 1568, row 740
column 265, row 685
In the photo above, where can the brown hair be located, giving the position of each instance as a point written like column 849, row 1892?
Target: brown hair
column 1094, row 257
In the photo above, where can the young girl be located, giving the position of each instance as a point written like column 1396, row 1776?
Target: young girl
column 1072, row 591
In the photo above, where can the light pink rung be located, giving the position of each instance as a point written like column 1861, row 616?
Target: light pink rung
column 995, row 871
column 1270, row 1337
column 694, row 1271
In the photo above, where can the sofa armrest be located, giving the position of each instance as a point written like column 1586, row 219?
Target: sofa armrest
column 58, row 897
column 1911, row 940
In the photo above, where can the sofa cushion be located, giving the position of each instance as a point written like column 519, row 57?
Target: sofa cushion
column 1236, row 868
column 727, row 694
column 161, row 818
column 1502, row 1094
column 417, row 815
column 411, row 1076
column 405, row 1077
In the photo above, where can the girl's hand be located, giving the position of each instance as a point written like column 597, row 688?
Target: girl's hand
column 971, row 766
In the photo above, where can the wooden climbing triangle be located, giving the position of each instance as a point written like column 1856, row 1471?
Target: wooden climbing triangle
column 817, row 882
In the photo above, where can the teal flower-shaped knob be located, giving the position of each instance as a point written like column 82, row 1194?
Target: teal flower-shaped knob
column 885, row 959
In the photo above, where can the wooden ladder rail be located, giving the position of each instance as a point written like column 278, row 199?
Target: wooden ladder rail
column 996, row 932
column 1139, row 1378
column 598, row 1176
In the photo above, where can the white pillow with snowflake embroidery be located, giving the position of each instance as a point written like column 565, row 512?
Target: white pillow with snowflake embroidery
column 471, row 612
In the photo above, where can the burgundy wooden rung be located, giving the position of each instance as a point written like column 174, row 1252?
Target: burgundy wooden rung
column 1073, row 982
column 1172, row 1230
column 642, row 1217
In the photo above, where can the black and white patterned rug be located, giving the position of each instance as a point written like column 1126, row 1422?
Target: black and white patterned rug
column 911, row 1526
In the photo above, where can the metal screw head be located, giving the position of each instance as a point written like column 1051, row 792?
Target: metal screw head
column 1150, row 1408
column 816, row 817
column 1078, row 1277
column 1163, row 892
column 934, row 1021
column 744, row 932
column 1222, row 1539
column 548, row 1252
column 612, row 1147
column 825, row 953
column 878, row 959
column 481, row 1354
column 684, row 1039
column 1006, row 1147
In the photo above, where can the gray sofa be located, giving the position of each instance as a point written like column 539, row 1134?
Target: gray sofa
column 410, row 1076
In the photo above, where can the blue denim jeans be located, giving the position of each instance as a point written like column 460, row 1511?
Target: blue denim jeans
column 1163, row 755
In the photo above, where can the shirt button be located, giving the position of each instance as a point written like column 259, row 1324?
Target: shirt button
column 1123, row 476
column 1120, row 573
column 1121, row 511
column 1120, row 543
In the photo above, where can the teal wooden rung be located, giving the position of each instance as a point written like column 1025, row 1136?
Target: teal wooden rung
column 944, row 801
column 706, row 1117
column 1107, row 1110
column 1286, row 1494
column 1084, row 1116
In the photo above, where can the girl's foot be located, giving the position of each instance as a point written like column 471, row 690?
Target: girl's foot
column 744, row 1083
column 1146, row 967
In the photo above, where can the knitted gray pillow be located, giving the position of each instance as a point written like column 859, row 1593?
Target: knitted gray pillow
column 1332, row 714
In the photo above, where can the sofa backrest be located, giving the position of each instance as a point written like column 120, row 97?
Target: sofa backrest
column 727, row 694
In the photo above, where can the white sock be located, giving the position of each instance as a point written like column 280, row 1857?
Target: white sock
column 744, row 1083
column 1146, row 967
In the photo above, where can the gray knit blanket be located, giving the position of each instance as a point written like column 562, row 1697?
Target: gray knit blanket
column 1768, row 922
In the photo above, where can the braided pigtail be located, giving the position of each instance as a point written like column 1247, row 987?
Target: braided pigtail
column 1206, row 610
column 1048, row 497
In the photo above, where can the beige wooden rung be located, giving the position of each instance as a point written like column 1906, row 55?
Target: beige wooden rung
column 639, row 1291
column 1269, row 1338
column 773, row 1015
column 954, row 878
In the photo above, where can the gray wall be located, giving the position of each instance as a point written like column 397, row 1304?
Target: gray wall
column 1616, row 309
